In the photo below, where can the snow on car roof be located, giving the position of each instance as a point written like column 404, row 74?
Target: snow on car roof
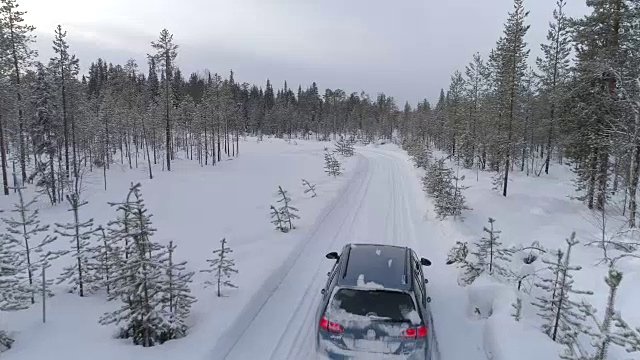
column 379, row 264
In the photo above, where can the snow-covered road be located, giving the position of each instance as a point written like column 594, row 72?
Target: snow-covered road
column 381, row 204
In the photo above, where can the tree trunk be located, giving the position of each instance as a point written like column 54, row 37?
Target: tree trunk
column 3, row 157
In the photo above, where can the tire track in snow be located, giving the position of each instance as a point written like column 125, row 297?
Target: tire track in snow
column 232, row 335
column 272, row 311
column 313, row 288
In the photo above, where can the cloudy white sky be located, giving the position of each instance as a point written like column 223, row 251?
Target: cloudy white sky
column 405, row 48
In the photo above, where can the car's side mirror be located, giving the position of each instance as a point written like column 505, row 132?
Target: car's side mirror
column 425, row 262
column 333, row 255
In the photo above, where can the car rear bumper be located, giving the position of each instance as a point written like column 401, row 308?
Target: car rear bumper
column 326, row 353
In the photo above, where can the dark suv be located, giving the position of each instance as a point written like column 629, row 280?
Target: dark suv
column 374, row 305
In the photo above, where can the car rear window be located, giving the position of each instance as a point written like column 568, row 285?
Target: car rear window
column 392, row 305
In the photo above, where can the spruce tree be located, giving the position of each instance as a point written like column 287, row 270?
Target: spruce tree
column 45, row 134
column 286, row 211
column 492, row 256
column 13, row 294
column 222, row 267
column 469, row 270
column 26, row 233
column 178, row 298
column 277, row 220
column 446, row 190
column 83, row 276
column 331, row 165
column 600, row 331
column 140, row 278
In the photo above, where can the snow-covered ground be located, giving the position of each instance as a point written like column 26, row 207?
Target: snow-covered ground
column 379, row 199
column 537, row 209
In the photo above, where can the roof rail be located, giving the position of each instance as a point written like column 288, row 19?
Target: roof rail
column 346, row 262
column 407, row 265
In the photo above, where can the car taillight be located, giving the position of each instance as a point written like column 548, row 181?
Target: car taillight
column 330, row 326
column 420, row 331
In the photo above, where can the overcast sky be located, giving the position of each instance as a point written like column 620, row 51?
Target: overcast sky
column 405, row 48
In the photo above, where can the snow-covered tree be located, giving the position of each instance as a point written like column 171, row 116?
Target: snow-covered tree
column 562, row 320
column 13, row 294
column 422, row 156
column 344, row 147
column 25, row 231
column 600, row 331
column 276, row 220
column 331, row 165
column 45, row 133
column 83, row 275
column 492, row 256
column 140, row 281
column 309, row 188
column 286, row 212
column 446, row 190
column 625, row 335
column 469, row 270
column 106, row 257
column 178, row 298
column 222, row 267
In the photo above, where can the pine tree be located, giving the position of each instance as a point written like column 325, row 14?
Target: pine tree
column 309, row 188
column 222, row 267
column 558, row 311
column 166, row 56
column 18, row 39
column 25, row 231
column 492, row 257
column 140, row 280
column 512, row 55
column 66, row 66
column 178, row 298
column 83, row 276
column 554, row 70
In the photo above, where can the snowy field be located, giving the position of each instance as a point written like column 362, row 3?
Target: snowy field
column 379, row 199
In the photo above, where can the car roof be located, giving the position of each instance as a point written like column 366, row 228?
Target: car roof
column 384, row 265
